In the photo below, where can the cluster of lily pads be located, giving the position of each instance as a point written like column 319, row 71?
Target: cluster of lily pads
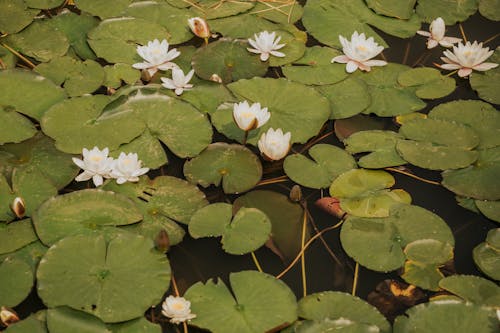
column 76, row 74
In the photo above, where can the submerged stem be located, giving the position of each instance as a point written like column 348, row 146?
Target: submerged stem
column 19, row 55
column 413, row 176
column 303, row 257
column 355, row 282
column 256, row 262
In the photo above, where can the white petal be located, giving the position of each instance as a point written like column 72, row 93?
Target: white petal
column 178, row 91
column 277, row 54
column 84, row 176
column 375, row 63
column 253, row 50
column 97, row 179
column 485, row 66
column 351, row 66
column 142, row 65
column 432, row 43
column 79, row 162
column 450, row 66
column 463, row 72
column 424, row 33
column 342, row 59
column 264, row 56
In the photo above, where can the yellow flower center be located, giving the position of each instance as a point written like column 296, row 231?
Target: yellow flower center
column 156, row 51
column 362, row 48
column 178, row 306
column 468, row 53
column 247, row 115
column 96, row 158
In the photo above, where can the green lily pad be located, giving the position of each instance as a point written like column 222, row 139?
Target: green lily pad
column 207, row 96
column 377, row 204
column 447, row 316
column 40, row 40
column 241, row 26
column 103, row 9
column 359, row 182
column 334, row 305
column 119, row 73
column 226, row 61
column 7, row 59
column 30, row 254
column 211, row 9
column 286, row 219
column 490, row 209
column 315, row 67
column 378, row 243
column 478, row 181
column 17, row 127
column 393, row 8
column 15, row 235
column 77, row 77
column 428, row 82
column 32, row 94
column 472, row 289
column 490, row 9
column 268, row 301
column 141, row 325
column 248, row 230
column 234, row 165
column 450, row 11
column 381, row 146
column 486, row 83
column 347, row 98
column 43, row 4
column 35, row 323
column 289, row 12
column 16, row 281
column 116, row 280
column 83, row 212
column 327, row 163
column 116, row 39
column 326, row 20
column 163, row 201
column 294, row 48
column 147, row 147
column 482, row 117
column 80, row 123
column 422, row 275
column 63, row 319
column 487, row 255
column 15, row 16
column 283, row 100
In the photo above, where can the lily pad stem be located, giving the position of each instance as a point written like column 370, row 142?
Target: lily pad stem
column 355, row 282
column 19, row 55
column 176, row 292
column 413, row 176
column 256, row 262
column 206, row 41
column 303, row 258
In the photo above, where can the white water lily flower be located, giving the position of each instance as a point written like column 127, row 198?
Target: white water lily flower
column 199, row 27
column 95, row 164
column 274, row 145
column 249, row 117
column 178, row 309
column 266, row 45
column 358, row 52
column 156, row 56
column 468, row 57
column 436, row 35
column 127, row 168
column 179, row 81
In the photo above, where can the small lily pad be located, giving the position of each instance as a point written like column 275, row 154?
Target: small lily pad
column 377, row 204
column 207, row 96
column 425, row 276
column 450, row 11
column 147, row 147
column 35, row 323
column 15, row 235
column 241, row 26
column 327, row 163
column 268, row 301
column 248, row 230
column 428, row 82
column 359, row 182
column 116, row 280
column 347, row 98
column 487, row 254
column 472, row 289
column 17, row 127
column 16, row 281
column 490, row 209
column 63, row 319
column 235, row 166
column 7, row 59
column 30, row 254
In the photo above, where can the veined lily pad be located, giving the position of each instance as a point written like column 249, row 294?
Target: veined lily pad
column 327, row 163
column 447, row 316
column 63, row 319
column 450, row 11
column 344, row 310
column 289, row 12
column 473, row 289
column 17, row 127
column 32, row 94
column 148, row 148
column 103, row 9
column 428, row 82
column 78, row 78
column 235, row 166
column 15, row 235
column 377, row 204
column 116, row 280
column 80, row 123
column 326, row 20
column 286, row 219
column 120, row 72
column 211, row 9
column 248, row 230
column 490, row 209
column 141, row 325
column 378, row 243
column 35, row 323
column 83, row 212
column 401, row 9
column 347, row 98
column 381, row 146
column 16, row 281
column 490, row 9
column 207, row 96
column 268, row 301
column 227, row 60
column 30, row 254
column 15, row 15
column 315, row 67
column 487, row 255
column 479, row 180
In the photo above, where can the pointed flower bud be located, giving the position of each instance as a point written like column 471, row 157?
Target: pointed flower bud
column 18, row 207
column 199, row 27
column 8, row 316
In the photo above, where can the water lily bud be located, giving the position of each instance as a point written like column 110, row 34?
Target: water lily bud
column 199, row 27
column 18, row 207
column 274, row 145
column 8, row 316
column 296, row 193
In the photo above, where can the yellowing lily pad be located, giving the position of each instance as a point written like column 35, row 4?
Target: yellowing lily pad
column 358, row 182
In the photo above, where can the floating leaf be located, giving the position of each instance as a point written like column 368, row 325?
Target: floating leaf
column 490, row 209
column 268, row 301
column 207, row 96
column 393, row 8
column 490, row 9
column 327, row 163
column 141, row 325
column 15, row 235
column 35, row 323
column 359, row 182
column 286, row 219
column 7, row 59
column 17, row 127
column 377, row 204
column 16, row 281
column 116, row 280
column 472, row 289
column 103, row 9
column 487, row 254
column 64, row 319
column 148, row 148
column 30, row 254
column 226, row 60
column 346, row 127
column 428, row 82
column 83, row 212
column 347, row 98
column 248, row 230
column 15, row 16
column 211, row 9
column 120, row 72
column 381, row 146
column 425, row 276
column 43, row 4
column 289, row 12
column 241, row 26
column 235, row 166
column 450, row 11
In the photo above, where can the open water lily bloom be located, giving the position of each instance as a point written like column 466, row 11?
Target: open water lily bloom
column 436, row 35
column 178, row 309
column 249, row 117
column 179, row 82
column 266, row 44
column 467, row 58
column 358, row 53
column 127, row 168
column 274, row 145
column 156, row 56
column 95, row 164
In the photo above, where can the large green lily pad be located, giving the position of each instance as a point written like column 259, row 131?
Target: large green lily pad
column 402, row 9
column 259, row 296
column 7, row 59
column 235, row 166
column 115, row 281
column 427, row 82
column 472, row 289
column 327, row 163
column 63, row 319
column 103, row 9
column 490, row 9
column 16, row 281
column 211, row 9
column 487, row 254
column 15, row 15
column 248, row 230
column 15, row 235
column 83, row 212
column 43, row 4
column 450, row 11
column 141, row 325
column 347, row 98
